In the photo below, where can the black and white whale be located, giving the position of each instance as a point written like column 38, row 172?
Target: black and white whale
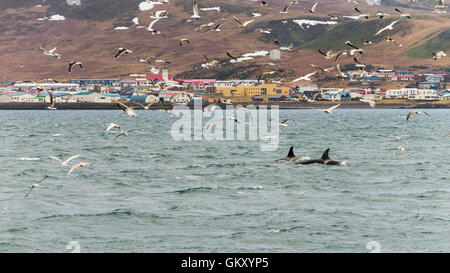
column 290, row 157
column 325, row 159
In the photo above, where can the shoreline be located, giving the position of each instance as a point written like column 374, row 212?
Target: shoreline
column 282, row 105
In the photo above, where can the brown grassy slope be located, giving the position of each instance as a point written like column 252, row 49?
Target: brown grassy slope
column 94, row 43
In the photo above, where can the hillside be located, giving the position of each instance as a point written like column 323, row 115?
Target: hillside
column 88, row 35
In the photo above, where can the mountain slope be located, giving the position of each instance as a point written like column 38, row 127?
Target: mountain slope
column 88, row 35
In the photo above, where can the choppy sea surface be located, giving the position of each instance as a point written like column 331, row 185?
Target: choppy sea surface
column 150, row 193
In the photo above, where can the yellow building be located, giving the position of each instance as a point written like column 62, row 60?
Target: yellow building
column 250, row 91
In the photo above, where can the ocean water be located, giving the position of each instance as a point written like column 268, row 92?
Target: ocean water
column 149, row 193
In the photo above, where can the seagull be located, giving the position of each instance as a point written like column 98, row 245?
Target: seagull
column 81, row 164
column 196, row 11
column 306, row 77
column 230, row 118
column 265, row 30
column 329, row 110
column 127, row 109
column 283, row 123
column 418, row 112
column 328, row 55
column 50, row 52
column 64, row 163
column 210, row 63
column 35, row 185
column 351, row 45
column 122, row 51
column 381, row 14
column 362, row 14
column 323, row 69
column 122, row 132
column 313, row 9
column 390, row 40
column 390, row 27
column 403, row 14
column 71, row 64
column 242, row 25
column 52, row 101
column 439, row 55
column 184, row 40
column 401, row 148
column 288, row 5
column 349, row 53
column 160, row 14
column 370, row 102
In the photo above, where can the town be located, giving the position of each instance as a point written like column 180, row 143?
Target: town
column 381, row 86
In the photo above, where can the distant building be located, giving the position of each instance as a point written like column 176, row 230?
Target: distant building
column 251, row 91
column 104, row 82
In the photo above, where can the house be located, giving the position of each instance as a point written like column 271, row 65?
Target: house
column 408, row 93
column 250, row 91
column 279, row 98
column 429, row 85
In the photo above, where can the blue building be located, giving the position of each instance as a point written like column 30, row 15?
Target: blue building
column 429, row 85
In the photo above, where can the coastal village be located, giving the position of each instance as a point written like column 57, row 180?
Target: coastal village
column 164, row 87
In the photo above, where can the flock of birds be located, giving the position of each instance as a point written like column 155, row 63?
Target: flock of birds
column 158, row 15
column 216, row 25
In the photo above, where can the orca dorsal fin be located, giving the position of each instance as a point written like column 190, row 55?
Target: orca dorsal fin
column 325, row 155
column 291, row 152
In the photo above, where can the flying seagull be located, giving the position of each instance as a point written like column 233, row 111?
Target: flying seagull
column 403, row 14
column 81, row 164
column 35, row 185
column 184, row 40
column 439, row 55
column 329, row 110
column 243, row 25
column 127, row 109
column 52, row 101
column 64, row 163
column 390, row 27
column 417, row 112
column 73, row 63
column 122, row 51
column 196, row 11
column 306, row 77
column 285, row 121
column 313, row 9
column 401, row 148
column 370, row 102
column 50, row 52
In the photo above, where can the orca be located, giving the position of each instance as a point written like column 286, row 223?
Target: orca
column 290, row 157
column 325, row 160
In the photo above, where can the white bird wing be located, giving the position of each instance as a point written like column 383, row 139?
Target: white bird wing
column 150, row 27
column 333, row 107
column 248, row 22
column 70, row 159
column 195, row 9
column 112, row 125
column 74, row 167
column 314, row 6
column 53, row 50
column 54, row 157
